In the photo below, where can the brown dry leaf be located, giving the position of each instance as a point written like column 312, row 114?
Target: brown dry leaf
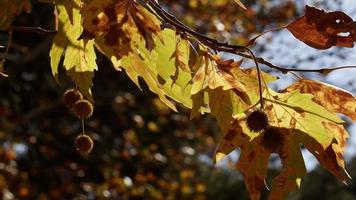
column 253, row 161
column 322, row 30
column 332, row 98
column 119, row 24
column 332, row 157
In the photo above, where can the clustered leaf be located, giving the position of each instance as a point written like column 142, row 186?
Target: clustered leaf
column 294, row 119
column 120, row 24
column 131, row 35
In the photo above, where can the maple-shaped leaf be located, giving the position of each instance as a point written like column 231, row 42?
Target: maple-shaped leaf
column 249, row 78
column 158, row 69
column 318, row 129
column 10, row 9
column 322, row 30
column 120, row 24
column 293, row 119
column 136, row 67
column 210, row 76
column 330, row 97
column 309, row 116
column 175, row 73
column 224, row 104
column 218, row 79
column 79, row 54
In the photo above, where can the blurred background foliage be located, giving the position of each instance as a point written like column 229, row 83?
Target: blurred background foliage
column 142, row 149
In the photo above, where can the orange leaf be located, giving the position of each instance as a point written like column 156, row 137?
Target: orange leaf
column 322, row 30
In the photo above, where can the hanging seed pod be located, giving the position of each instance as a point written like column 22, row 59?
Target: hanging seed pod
column 84, row 144
column 273, row 139
column 257, row 121
column 83, row 109
column 71, row 96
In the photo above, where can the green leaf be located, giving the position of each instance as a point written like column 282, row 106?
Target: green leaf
column 330, row 97
column 156, row 67
column 136, row 67
column 299, row 109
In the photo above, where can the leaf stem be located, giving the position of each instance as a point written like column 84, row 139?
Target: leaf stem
column 258, row 75
column 83, row 127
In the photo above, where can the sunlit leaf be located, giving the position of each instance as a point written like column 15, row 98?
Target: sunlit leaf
column 79, row 56
column 120, row 23
column 322, row 30
column 330, row 97
column 294, row 119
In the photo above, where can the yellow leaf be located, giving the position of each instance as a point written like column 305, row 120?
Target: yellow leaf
column 120, row 23
column 330, row 97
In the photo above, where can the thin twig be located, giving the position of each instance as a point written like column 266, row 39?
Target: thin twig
column 37, row 30
column 259, row 77
column 325, row 70
column 253, row 40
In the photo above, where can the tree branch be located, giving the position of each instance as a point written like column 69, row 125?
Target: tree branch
column 226, row 47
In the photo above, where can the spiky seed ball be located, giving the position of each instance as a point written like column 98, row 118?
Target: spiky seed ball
column 83, row 109
column 273, row 139
column 257, row 121
column 84, row 144
column 71, row 96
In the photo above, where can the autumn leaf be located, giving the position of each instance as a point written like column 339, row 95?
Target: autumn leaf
column 309, row 116
column 210, row 76
column 322, row 30
column 330, row 97
column 120, row 23
column 79, row 54
column 158, row 69
column 218, row 79
column 293, row 119
column 181, row 54
column 221, row 109
column 10, row 9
